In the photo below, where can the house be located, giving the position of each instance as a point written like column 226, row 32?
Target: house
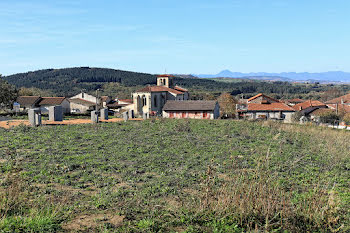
column 121, row 104
column 308, row 106
column 340, row 108
column 340, row 104
column 83, row 103
column 265, row 107
column 197, row 109
column 23, row 103
column 46, row 102
column 316, row 114
column 345, row 99
column 151, row 99
column 292, row 102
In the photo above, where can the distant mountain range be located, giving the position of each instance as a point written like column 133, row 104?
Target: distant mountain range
column 330, row 76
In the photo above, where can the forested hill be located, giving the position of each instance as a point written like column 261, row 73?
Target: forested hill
column 69, row 81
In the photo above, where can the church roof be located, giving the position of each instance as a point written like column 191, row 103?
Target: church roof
column 159, row 89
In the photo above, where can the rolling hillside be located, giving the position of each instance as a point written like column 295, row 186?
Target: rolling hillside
column 70, row 81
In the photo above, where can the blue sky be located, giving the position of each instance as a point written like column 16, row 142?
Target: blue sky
column 193, row 36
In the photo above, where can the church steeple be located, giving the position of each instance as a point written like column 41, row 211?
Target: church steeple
column 165, row 80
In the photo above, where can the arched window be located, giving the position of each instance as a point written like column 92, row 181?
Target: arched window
column 162, row 100
column 155, row 101
column 144, row 101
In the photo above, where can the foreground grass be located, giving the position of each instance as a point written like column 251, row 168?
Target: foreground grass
column 175, row 176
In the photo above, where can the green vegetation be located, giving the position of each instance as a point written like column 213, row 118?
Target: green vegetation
column 70, row 81
column 175, row 176
column 7, row 93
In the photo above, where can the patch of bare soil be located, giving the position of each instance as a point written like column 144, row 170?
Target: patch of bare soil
column 90, row 192
column 173, row 202
column 13, row 123
column 91, row 222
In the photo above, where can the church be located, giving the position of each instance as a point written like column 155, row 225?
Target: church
column 151, row 99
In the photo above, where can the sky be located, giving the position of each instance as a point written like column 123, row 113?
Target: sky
column 176, row 36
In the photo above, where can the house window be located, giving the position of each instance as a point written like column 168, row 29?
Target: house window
column 171, row 115
column 82, row 95
column 205, row 114
column 183, row 114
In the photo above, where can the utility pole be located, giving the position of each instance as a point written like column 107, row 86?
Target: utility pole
column 97, row 99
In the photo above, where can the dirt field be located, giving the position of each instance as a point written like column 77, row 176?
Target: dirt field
column 13, row 123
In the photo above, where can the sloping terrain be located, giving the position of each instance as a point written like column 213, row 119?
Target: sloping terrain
column 175, row 176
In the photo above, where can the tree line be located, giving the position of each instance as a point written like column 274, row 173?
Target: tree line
column 70, row 81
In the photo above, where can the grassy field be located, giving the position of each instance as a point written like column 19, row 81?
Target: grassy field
column 175, row 176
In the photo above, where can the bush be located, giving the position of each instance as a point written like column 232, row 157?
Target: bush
column 329, row 117
column 346, row 118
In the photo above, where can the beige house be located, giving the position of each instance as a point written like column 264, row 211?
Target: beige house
column 83, row 103
column 121, row 105
column 47, row 102
column 151, row 99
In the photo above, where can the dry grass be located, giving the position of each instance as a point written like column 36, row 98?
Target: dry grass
column 253, row 199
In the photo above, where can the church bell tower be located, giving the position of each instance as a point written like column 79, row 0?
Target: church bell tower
column 165, row 80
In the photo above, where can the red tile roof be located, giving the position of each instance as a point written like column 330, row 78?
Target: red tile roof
column 165, row 75
column 51, row 100
column 263, row 95
column 159, row 89
column 272, row 107
column 308, row 104
column 126, row 100
column 321, row 111
column 180, row 89
column 341, row 107
column 339, row 100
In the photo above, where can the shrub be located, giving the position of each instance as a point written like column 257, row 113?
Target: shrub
column 329, row 117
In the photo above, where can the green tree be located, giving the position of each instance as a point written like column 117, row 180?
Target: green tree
column 8, row 93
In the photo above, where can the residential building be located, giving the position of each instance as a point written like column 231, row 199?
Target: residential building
column 292, row 102
column 198, row 109
column 83, row 103
column 341, row 104
column 265, row 107
column 23, row 103
column 308, row 106
column 121, row 104
column 47, row 102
